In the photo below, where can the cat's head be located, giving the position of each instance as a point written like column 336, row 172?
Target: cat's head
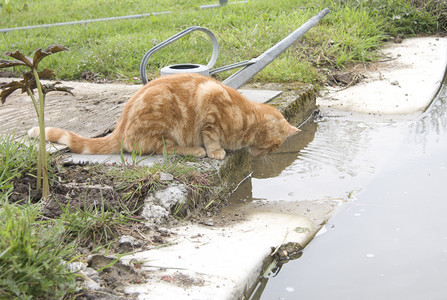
column 272, row 131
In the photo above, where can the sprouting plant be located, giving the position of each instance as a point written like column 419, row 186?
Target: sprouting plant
column 30, row 82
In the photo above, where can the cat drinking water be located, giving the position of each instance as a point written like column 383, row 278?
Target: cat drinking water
column 186, row 114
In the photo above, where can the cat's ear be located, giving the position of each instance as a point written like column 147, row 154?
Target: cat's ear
column 293, row 130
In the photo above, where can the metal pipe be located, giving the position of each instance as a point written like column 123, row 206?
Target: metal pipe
column 239, row 78
column 221, row 3
column 85, row 21
column 232, row 66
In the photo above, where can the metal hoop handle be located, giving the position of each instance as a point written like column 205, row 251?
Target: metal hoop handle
column 172, row 39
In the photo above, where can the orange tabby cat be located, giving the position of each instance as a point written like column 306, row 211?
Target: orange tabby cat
column 188, row 114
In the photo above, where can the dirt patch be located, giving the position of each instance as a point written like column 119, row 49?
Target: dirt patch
column 183, row 280
column 344, row 79
column 74, row 187
column 81, row 194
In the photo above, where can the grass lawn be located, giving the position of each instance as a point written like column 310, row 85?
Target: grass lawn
column 113, row 49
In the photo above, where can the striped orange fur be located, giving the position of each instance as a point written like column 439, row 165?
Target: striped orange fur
column 188, row 114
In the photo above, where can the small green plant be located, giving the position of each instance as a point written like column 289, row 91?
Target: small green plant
column 93, row 224
column 32, row 255
column 30, row 82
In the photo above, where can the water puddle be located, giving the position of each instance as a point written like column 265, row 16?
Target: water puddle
column 331, row 159
column 392, row 240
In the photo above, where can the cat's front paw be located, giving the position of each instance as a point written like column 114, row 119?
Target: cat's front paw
column 199, row 152
column 217, row 154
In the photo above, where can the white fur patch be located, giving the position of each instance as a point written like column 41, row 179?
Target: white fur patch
column 34, row 132
column 64, row 139
column 86, row 150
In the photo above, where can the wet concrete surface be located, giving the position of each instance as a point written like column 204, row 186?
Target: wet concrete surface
column 389, row 239
column 402, row 82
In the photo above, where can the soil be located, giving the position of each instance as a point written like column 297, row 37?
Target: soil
column 83, row 190
column 75, row 187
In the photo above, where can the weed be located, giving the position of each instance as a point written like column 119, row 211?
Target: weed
column 93, row 224
column 402, row 16
column 32, row 255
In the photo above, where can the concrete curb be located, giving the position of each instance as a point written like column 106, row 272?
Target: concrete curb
column 220, row 263
column 404, row 83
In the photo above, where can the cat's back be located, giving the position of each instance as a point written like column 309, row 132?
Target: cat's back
column 194, row 94
column 180, row 83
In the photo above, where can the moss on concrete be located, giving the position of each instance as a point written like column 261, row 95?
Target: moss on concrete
column 296, row 103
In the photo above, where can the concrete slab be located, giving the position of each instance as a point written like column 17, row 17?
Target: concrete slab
column 220, row 263
column 260, row 96
column 404, row 83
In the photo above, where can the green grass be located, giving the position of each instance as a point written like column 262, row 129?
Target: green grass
column 32, row 255
column 94, row 224
column 31, row 251
column 16, row 159
column 350, row 33
column 136, row 181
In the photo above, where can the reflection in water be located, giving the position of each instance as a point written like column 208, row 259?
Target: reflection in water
column 275, row 163
column 433, row 123
column 328, row 160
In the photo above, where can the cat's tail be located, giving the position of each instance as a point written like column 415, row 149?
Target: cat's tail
column 78, row 144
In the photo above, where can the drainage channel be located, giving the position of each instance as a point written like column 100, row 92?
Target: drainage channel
column 389, row 237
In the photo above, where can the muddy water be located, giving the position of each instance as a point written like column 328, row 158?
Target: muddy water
column 388, row 238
